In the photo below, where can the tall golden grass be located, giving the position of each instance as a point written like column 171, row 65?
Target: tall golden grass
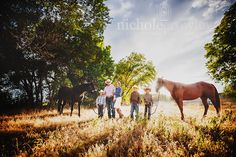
column 46, row 133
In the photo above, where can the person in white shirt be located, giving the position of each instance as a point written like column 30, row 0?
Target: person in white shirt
column 109, row 93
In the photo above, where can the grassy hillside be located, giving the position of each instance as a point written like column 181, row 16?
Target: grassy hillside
column 46, row 133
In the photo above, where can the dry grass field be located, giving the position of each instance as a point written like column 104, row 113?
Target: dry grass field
column 46, row 133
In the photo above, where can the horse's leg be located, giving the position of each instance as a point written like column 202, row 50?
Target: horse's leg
column 180, row 105
column 71, row 107
column 64, row 103
column 79, row 108
column 206, row 106
column 59, row 106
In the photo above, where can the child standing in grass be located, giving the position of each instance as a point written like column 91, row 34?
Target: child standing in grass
column 101, row 103
column 135, row 100
column 148, row 102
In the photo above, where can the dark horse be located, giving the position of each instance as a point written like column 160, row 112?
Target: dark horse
column 73, row 95
column 180, row 92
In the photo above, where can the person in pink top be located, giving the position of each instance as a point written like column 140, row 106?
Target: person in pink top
column 109, row 93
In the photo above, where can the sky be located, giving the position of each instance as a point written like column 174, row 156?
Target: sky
column 171, row 33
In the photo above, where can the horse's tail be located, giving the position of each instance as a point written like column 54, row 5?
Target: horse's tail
column 217, row 101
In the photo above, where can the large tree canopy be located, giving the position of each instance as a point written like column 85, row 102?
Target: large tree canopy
column 46, row 44
column 221, row 52
column 134, row 70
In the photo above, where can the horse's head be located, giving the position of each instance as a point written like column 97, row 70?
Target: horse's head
column 159, row 84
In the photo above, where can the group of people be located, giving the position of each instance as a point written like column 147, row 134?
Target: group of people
column 111, row 97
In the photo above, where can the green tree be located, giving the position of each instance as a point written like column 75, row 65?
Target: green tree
column 134, row 70
column 46, row 44
column 221, row 52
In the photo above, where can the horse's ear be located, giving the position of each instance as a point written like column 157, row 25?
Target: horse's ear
column 160, row 78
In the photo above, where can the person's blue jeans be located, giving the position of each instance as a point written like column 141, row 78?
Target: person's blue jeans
column 100, row 111
column 110, row 107
column 134, row 107
column 147, row 110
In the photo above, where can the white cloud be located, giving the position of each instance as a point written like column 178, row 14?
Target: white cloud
column 215, row 6
column 199, row 3
column 176, row 48
column 211, row 6
column 122, row 9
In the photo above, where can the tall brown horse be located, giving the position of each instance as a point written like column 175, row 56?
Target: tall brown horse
column 180, row 92
column 73, row 95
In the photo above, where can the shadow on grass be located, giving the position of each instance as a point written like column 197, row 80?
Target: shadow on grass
column 220, row 136
column 13, row 142
column 80, row 150
column 129, row 144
